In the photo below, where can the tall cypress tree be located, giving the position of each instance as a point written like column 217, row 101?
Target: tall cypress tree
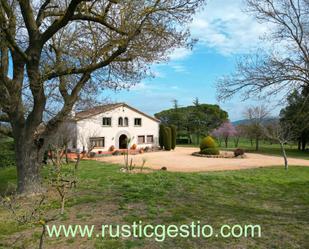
column 161, row 135
column 167, row 138
column 173, row 136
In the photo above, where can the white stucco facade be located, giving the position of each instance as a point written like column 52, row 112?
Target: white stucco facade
column 112, row 134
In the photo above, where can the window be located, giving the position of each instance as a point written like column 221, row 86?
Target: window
column 138, row 122
column 149, row 139
column 141, row 139
column 126, row 122
column 107, row 121
column 97, row 142
column 120, row 121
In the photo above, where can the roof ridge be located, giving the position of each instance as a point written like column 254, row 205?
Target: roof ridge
column 107, row 107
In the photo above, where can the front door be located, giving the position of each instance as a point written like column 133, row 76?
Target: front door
column 123, row 140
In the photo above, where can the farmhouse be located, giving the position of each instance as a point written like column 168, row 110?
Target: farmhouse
column 111, row 126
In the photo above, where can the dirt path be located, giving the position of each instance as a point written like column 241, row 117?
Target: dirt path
column 182, row 161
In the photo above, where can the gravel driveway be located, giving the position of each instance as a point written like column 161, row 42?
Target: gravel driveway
column 181, row 160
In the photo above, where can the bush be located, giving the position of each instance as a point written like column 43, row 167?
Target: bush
column 210, row 151
column 7, row 158
column 133, row 147
column 208, row 142
column 116, row 153
column 173, row 136
column 167, row 138
column 239, row 152
column 183, row 141
column 92, row 154
column 111, row 148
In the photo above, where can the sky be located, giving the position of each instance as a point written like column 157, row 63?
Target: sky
column 224, row 33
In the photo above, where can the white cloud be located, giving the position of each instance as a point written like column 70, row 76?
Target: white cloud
column 179, row 68
column 180, row 54
column 223, row 25
column 139, row 87
column 157, row 73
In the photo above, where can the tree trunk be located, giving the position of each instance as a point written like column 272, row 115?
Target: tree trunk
column 42, row 236
column 66, row 154
column 226, row 141
column 28, row 161
column 286, row 166
column 303, row 143
column 236, row 142
column 62, row 203
column 257, row 143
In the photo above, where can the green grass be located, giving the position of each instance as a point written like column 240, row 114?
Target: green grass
column 7, row 179
column 276, row 199
column 264, row 148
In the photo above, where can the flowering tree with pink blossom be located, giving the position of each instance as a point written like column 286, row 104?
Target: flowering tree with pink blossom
column 224, row 132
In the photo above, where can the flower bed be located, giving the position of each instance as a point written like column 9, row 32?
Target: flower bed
column 222, row 155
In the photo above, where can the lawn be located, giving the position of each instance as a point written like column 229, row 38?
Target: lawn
column 265, row 148
column 276, row 199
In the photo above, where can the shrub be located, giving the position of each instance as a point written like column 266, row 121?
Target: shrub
column 173, row 136
column 210, row 151
column 116, row 153
column 111, row 148
column 133, row 147
column 100, row 152
column 161, row 135
column 239, row 152
column 92, row 154
column 208, row 142
column 167, row 138
column 7, row 158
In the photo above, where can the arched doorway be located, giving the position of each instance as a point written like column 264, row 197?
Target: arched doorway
column 123, row 140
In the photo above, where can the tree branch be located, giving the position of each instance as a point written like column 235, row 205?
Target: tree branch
column 28, row 17
column 67, row 107
column 61, row 22
column 40, row 15
column 8, row 27
column 92, row 67
column 98, row 19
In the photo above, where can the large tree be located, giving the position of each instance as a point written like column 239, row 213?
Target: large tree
column 284, row 64
column 198, row 119
column 256, row 116
column 54, row 53
column 296, row 116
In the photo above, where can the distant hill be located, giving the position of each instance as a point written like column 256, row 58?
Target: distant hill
column 240, row 122
column 247, row 121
